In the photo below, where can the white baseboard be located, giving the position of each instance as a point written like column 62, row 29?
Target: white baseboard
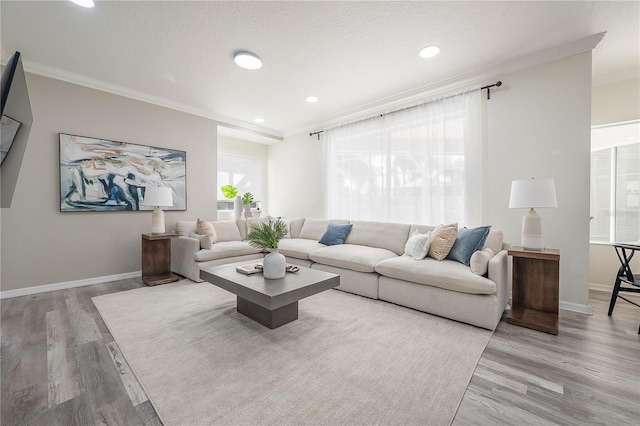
column 576, row 307
column 609, row 288
column 68, row 284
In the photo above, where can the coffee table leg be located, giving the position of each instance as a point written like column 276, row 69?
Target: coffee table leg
column 272, row 319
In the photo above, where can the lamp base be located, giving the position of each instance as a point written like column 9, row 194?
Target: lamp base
column 157, row 221
column 532, row 231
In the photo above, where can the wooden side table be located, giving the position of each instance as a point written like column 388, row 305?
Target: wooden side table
column 536, row 289
column 156, row 259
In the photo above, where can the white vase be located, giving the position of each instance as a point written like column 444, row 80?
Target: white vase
column 237, row 208
column 273, row 265
column 247, row 211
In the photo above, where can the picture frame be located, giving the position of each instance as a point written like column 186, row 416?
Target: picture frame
column 104, row 175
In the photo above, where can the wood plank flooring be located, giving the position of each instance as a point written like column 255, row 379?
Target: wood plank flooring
column 61, row 366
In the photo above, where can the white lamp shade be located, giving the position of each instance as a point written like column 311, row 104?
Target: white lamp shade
column 533, row 193
column 158, row 196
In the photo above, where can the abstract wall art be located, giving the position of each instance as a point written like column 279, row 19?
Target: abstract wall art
column 104, row 175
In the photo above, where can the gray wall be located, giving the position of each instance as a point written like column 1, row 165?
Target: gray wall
column 42, row 246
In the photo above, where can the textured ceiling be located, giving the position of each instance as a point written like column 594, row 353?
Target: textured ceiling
column 349, row 54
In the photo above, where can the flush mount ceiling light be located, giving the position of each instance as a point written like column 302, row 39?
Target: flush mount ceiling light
column 311, row 99
column 84, row 3
column 429, row 51
column 247, row 60
column 259, row 120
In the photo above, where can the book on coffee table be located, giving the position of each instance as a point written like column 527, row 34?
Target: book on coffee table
column 249, row 269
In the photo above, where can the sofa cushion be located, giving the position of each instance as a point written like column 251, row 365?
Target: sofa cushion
column 468, row 241
column 480, row 261
column 185, row 228
column 349, row 256
column 221, row 250
column 295, row 226
column 442, row 239
column 298, row 247
column 206, row 233
column 227, row 231
column 418, row 245
column 313, row 229
column 335, row 234
column 494, row 241
column 386, row 235
column 446, row 274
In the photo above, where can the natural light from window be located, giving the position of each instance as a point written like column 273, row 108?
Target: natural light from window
column 615, row 183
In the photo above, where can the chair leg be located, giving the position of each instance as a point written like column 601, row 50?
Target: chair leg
column 614, row 296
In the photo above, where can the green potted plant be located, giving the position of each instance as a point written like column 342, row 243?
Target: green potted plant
column 267, row 235
column 247, row 199
column 231, row 192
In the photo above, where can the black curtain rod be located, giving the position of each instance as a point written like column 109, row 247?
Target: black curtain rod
column 488, row 88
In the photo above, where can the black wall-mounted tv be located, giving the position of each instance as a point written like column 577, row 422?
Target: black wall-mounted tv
column 15, row 126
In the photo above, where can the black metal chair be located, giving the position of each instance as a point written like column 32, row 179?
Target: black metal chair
column 625, row 253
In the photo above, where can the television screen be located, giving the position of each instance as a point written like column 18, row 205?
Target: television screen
column 8, row 129
column 17, row 119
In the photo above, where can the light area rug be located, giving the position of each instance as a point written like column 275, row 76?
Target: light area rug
column 346, row 360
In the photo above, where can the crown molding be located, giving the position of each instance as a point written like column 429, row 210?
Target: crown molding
column 456, row 83
column 69, row 77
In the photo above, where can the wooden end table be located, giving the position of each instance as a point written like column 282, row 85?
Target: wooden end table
column 536, row 289
column 156, row 259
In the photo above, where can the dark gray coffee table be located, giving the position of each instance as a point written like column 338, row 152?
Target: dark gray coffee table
column 272, row 303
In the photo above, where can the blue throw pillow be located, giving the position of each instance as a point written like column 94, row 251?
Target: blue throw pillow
column 468, row 242
column 335, row 234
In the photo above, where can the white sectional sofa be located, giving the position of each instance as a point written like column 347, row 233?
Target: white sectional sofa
column 370, row 263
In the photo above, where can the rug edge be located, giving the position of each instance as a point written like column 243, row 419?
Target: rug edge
column 142, row 385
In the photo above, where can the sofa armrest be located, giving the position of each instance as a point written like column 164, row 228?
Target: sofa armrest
column 498, row 273
column 183, row 250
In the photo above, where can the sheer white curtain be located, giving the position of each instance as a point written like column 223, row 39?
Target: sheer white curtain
column 417, row 165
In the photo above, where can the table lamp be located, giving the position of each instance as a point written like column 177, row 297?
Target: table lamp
column 159, row 197
column 530, row 194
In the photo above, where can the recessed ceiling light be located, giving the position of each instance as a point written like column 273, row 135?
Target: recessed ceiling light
column 84, row 3
column 311, row 99
column 247, row 60
column 429, row 52
column 259, row 120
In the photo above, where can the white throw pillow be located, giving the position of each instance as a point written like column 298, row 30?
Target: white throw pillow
column 480, row 261
column 417, row 245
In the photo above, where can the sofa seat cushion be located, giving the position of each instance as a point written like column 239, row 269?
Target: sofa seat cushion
column 221, row 250
column 351, row 256
column 298, row 247
column 446, row 274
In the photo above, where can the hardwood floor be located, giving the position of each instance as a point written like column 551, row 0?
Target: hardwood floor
column 61, row 366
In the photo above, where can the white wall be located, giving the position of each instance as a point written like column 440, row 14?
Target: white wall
column 538, row 124
column 612, row 103
column 41, row 245
column 234, row 146
column 616, row 102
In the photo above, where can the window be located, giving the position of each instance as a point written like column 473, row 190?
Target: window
column 615, row 183
column 243, row 173
column 416, row 165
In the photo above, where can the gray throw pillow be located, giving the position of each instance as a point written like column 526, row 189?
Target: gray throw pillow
column 468, row 242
